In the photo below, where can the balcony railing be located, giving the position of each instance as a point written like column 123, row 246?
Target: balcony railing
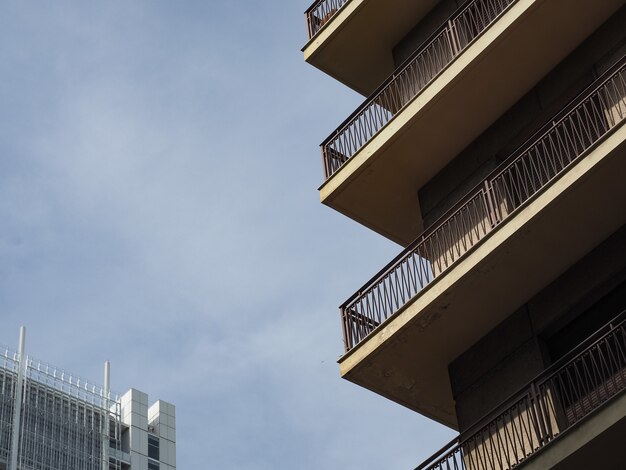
column 548, row 154
column 563, row 395
column 320, row 13
column 411, row 78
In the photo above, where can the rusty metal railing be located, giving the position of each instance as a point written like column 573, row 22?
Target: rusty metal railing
column 409, row 80
column 563, row 395
column 320, row 13
column 549, row 153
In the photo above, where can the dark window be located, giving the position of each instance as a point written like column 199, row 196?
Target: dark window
column 153, row 465
column 153, row 447
column 581, row 327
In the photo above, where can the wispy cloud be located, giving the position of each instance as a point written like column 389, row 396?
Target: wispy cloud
column 157, row 189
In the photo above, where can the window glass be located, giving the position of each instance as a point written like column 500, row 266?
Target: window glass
column 153, row 447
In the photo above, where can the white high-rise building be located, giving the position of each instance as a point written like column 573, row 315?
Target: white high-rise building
column 53, row 420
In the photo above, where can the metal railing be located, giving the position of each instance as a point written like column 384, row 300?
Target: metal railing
column 562, row 396
column 546, row 155
column 320, row 13
column 9, row 366
column 63, row 417
column 409, row 79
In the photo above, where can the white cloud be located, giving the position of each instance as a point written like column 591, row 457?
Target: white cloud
column 157, row 187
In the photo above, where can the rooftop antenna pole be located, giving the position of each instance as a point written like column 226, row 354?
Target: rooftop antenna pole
column 107, row 393
column 17, row 405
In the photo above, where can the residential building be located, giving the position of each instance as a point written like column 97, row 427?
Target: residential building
column 491, row 147
column 53, row 420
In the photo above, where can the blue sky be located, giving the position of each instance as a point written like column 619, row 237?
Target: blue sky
column 159, row 167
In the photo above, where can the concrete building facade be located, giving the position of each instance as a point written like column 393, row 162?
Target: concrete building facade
column 491, row 147
column 53, row 420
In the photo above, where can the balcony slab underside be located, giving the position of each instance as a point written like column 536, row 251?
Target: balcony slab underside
column 378, row 186
column 355, row 46
column 406, row 359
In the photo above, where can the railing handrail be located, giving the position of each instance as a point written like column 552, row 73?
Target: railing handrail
column 588, row 343
column 551, row 370
column 536, row 136
column 390, row 79
column 559, row 117
column 398, row 72
column 566, row 111
column 309, row 11
column 314, row 5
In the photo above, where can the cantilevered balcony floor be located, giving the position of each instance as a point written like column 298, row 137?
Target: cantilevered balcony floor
column 375, row 166
column 537, row 216
column 353, row 39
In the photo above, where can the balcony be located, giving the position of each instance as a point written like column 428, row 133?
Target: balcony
column 352, row 40
column 480, row 62
column 120, row 456
column 556, row 198
column 578, row 400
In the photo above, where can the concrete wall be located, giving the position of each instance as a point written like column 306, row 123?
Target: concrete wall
column 496, row 367
column 158, row 420
column 533, row 110
column 162, row 418
column 425, row 29
column 520, row 348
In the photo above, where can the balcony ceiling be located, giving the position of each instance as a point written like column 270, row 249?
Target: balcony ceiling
column 355, row 46
column 406, row 360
